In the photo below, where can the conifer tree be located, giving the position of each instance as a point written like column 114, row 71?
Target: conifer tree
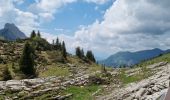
column 90, row 56
column 60, row 46
column 82, row 53
column 27, row 60
column 57, row 44
column 53, row 43
column 78, row 52
column 64, row 52
column 33, row 34
column 38, row 34
column 57, row 41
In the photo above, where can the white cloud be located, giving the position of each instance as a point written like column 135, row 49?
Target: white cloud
column 19, row 2
column 10, row 14
column 46, row 9
column 97, row 1
column 128, row 25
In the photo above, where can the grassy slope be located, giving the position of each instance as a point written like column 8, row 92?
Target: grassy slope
column 162, row 58
column 144, row 72
column 82, row 93
column 85, row 93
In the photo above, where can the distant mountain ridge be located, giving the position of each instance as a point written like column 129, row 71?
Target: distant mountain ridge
column 131, row 58
column 11, row 32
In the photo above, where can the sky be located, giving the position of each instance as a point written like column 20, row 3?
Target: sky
column 103, row 26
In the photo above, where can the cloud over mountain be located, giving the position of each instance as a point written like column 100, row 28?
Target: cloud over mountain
column 128, row 25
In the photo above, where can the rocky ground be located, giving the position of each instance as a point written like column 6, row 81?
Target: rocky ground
column 31, row 88
column 152, row 88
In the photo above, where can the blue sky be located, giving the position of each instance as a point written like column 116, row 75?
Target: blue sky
column 103, row 26
column 70, row 17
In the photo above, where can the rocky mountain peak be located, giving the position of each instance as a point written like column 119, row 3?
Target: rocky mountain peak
column 9, row 25
column 11, row 32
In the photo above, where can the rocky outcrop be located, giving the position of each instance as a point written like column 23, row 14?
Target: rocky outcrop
column 39, row 86
column 151, row 88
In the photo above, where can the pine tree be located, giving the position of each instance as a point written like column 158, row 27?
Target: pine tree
column 27, row 60
column 82, row 53
column 78, row 52
column 64, row 52
column 60, row 46
column 53, row 43
column 38, row 34
column 57, row 41
column 57, row 44
column 33, row 34
column 90, row 56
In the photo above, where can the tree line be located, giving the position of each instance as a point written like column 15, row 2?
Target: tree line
column 89, row 55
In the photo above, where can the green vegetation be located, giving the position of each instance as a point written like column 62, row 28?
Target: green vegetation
column 144, row 71
column 38, row 34
column 64, row 52
column 33, row 34
column 27, row 61
column 142, row 74
column 57, row 44
column 79, row 52
column 90, row 56
column 7, row 74
column 83, row 92
column 161, row 58
column 54, row 70
column 128, row 79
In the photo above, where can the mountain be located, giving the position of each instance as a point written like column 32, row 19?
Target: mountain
column 11, row 32
column 131, row 58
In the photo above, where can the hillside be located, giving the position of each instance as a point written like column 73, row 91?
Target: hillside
column 49, row 61
column 131, row 58
column 76, row 79
column 148, row 80
column 51, row 68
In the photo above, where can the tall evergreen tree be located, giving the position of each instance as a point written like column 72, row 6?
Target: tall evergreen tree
column 53, row 43
column 90, row 56
column 82, row 53
column 38, row 34
column 78, row 52
column 64, row 52
column 57, row 41
column 27, row 60
column 33, row 34
column 60, row 46
column 57, row 44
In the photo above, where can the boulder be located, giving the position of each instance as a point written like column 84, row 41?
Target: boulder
column 140, row 93
column 2, row 85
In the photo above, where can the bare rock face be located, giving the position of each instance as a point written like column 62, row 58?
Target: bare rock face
column 39, row 86
column 152, row 88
